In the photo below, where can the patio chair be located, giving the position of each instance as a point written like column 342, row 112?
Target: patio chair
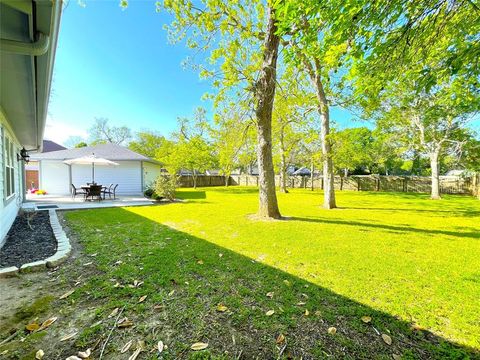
column 95, row 191
column 106, row 190
column 111, row 190
column 76, row 191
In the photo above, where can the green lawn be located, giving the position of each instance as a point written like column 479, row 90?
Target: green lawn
column 409, row 263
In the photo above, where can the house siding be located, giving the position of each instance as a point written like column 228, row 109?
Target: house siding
column 55, row 177
column 9, row 207
column 150, row 173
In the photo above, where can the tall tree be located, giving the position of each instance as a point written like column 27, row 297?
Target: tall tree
column 101, row 132
column 147, row 143
column 242, row 44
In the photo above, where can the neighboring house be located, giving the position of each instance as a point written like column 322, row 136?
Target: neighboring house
column 212, row 172
column 31, row 169
column 28, row 39
column 457, row 172
column 133, row 174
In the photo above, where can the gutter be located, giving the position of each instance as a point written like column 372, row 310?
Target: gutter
column 37, row 48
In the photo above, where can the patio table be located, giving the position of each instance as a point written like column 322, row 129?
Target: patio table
column 87, row 189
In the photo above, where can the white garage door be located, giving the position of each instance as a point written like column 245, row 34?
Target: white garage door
column 127, row 175
column 54, row 177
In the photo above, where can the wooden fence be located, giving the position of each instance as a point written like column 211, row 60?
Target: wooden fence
column 415, row 184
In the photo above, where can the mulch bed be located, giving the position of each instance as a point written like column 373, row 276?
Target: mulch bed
column 25, row 244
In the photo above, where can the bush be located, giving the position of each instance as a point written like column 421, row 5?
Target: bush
column 165, row 187
column 149, row 192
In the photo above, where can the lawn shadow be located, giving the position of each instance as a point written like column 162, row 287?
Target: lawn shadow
column 464, row 212
column 202, row 274
column 467, row 234
column 191, row 195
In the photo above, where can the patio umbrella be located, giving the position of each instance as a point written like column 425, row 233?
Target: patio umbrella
column 90, row 160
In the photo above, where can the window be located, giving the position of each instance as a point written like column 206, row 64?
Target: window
column 9, row 168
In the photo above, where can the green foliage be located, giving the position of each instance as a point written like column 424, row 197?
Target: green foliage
column 81, row 144
column 147, row 143
column 165, row 187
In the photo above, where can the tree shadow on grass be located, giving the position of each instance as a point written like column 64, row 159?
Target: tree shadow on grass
column 465, row 212
column 192, row 195
column 463, row 234
column 190, row 276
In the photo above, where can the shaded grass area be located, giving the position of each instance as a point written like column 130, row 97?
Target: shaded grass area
column 193, row 256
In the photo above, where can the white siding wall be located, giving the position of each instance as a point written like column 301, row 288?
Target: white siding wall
column 127, row 175
column 9, row 208
column 54, row 177
column 150, row 173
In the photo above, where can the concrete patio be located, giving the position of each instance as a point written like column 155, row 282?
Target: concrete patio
column 45, row 202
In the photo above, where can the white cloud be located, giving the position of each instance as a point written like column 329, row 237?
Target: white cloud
column 60, row 131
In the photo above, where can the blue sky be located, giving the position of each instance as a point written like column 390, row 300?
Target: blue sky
column 118, row 64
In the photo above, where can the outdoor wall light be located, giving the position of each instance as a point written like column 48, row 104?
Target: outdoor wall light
column 23, row 156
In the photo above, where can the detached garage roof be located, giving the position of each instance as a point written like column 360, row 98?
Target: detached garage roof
column 107, row 151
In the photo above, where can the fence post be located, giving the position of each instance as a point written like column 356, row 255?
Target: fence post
column 358, row 184
column 378, row 183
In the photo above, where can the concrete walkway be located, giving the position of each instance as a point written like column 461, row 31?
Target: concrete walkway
column 46, row 202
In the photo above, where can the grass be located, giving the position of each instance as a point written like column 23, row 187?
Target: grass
column 401, row 259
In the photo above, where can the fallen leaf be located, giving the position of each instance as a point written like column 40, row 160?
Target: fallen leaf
column 118, row 262
column 397, row 357
column 307, row 312
column 39, row 354
column 305, row 296
column 84, row 354
column 332, row 330
column 199, row 346
column 142, row 299
column 318, row 313
column 113, row 313
column 280, row 339
column 221, row 308
column 4, row 352
column 270, row 312
column 73, row 357
column 220, row 255
column 158, row 307
column 88, row 263
column 387, row 339
column 68, row 336
column 32, row 327
column 417, row 327
column 135, row 354
column 286, row 282
column 47, row 323
column 200, row 262
column 301, row 303
column 366, row 319
column 126, row 347
column 171, row 293
column 67, row 294
column 160, row 346
column 93, row 255
column 124, row 323
column 270, row 294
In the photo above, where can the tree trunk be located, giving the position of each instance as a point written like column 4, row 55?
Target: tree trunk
column 227, row 178
column 194, row 178
column 312, row 170
column 265, row 93
column 328, row 176
column 314, row 72
column 283, row 166
column 435, row 195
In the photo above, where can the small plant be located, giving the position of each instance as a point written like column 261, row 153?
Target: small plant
column 165, row 187
column 149, row 192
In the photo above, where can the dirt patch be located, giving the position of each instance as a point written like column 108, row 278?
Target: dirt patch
column 30, row 239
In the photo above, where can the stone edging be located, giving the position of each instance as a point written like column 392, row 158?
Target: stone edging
column 63, row 250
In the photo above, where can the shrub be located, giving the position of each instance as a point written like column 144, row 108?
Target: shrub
column 165, row 187
column 149, row 192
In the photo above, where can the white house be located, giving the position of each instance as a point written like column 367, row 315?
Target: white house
column 133, row 173
column 28, row 39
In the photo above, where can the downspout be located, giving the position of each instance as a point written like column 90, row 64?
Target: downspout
column 36, row 48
